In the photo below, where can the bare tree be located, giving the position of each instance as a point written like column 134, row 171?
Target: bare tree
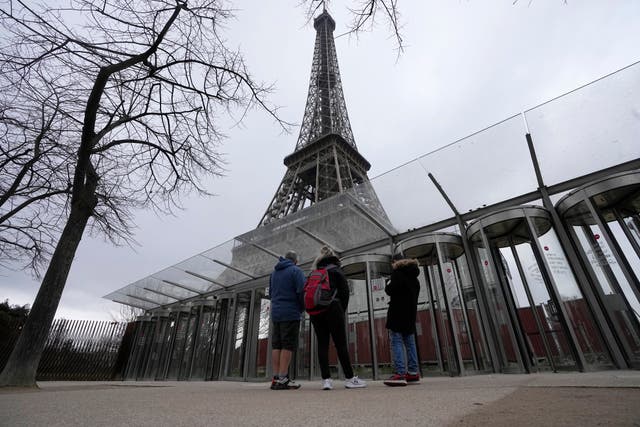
column 34, row 173
column 112, row 105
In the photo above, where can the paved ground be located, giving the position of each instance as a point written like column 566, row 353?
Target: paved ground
column 575, row 399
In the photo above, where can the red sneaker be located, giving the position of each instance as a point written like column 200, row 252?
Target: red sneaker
column 413, row 378
column 396, row 380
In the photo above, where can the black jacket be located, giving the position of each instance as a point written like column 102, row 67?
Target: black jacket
column 337, row 279
column 403, row 288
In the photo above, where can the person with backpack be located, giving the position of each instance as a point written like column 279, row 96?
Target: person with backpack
column 326, row 301
column 403, row 289
column 286, row 286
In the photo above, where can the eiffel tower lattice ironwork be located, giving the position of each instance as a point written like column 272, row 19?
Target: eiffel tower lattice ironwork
column 326, row 160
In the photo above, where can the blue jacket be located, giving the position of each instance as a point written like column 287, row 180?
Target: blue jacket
column 286, row 291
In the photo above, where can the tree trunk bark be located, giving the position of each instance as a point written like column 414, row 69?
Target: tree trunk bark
column 22, row 365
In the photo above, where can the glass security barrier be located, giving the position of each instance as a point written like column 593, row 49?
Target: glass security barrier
column 215, row 357
column 366, row 315
column 603, row 218
column 237, row 341
column 183, row 334
column 204, row 339
column 156, row 360
column 449, row 330
column 541, row 321
column 260, row 346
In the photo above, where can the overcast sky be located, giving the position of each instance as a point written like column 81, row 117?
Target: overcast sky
column 468, row 64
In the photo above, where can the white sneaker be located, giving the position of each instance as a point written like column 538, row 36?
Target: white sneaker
column 327, row 384
column 354, row 382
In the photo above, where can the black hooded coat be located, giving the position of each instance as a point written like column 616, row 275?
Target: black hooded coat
column 403, row 288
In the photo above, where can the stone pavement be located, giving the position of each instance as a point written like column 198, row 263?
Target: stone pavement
column 563, row 399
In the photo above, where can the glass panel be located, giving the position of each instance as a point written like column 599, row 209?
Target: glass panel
column 182, row 325
column 239, row 334
column 549, row 332
column 157, row 348
column 165, row 356
column 261, row 317
column 443, row 327
column 144, row 329
column 633, row 223
column 612, row 286
column 497, row 162
column 410, row 212
column 476, row 331
column 185, row 366
column 203, row 343
column 380, row 306
column 339, row 222
column 589, row 129
column 304, row 355
column 426, row 336
column 456, row 310
column 580, row 317
column 220, row 318
column 358, row 338
column 628, row 251
column 499, row 312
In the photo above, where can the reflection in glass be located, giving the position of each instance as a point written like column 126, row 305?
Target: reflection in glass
column 238, row 337
column 218, row 328
column 152, row 371
column 498, row 311
column 203, row 342
column 182, row 324
column 612, row 286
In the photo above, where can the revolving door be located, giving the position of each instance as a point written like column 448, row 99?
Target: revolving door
column 541, row 321
column 367, row 336
column 603, row 219
column 449, row 331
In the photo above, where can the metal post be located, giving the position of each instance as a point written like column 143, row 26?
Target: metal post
column 574, row 261
column 372, row 332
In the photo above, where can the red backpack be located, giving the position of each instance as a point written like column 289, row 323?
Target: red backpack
column 317, row 292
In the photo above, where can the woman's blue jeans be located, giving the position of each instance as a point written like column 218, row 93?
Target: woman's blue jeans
column 400, row 343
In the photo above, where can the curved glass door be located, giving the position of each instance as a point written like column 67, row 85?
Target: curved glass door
column 603, row 218
column 367, row 335
column 551, row 325
column 449, row 331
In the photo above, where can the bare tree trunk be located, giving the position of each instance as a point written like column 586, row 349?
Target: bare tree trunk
column 22, row 365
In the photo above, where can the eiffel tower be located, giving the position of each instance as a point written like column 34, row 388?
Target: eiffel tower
column 326, row 160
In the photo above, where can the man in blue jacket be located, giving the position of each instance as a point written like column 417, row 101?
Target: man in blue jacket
column 287, row 303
